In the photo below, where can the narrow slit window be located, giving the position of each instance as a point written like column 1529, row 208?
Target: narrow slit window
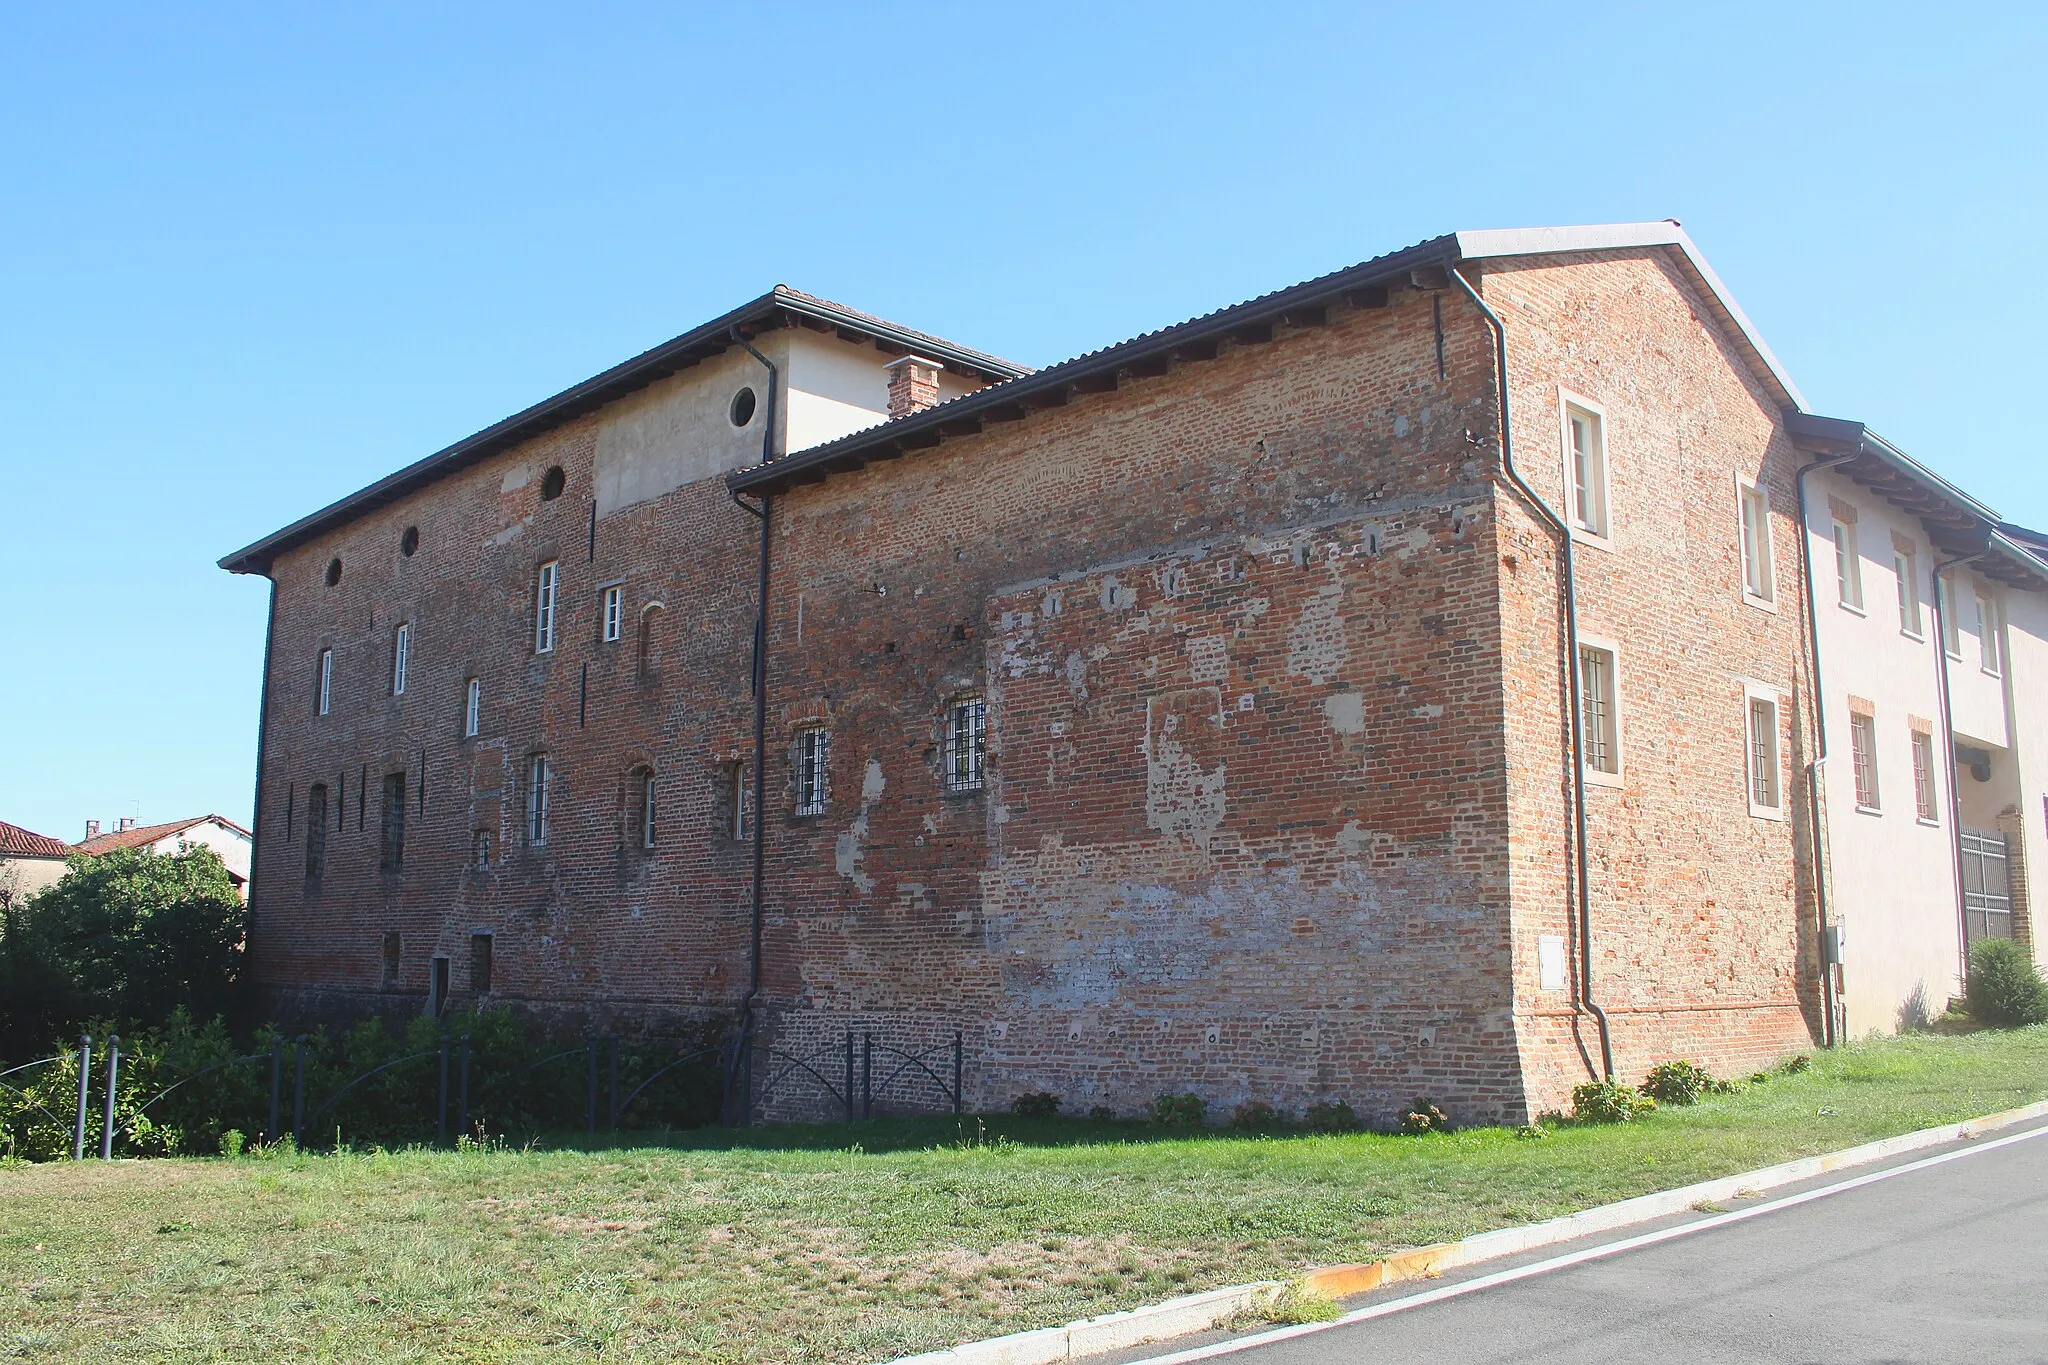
column 394, row 947
column 1863, row 754
column 647, row 811
column 1600, row 725
column 614, row 613
column 391, row 856
column 1758, row 578
column 324, row 685
column 966, row 744
column 1923, row 776
column 539, row 776
column 401, row 657
column 738, row 798
column 1906, row 565
column 813, row 748
column 316, row 830
column 472, row 707
column 1764, row 771
column 1848, row 566
column 480, row 964
column 1586, row 460
column 544, row 607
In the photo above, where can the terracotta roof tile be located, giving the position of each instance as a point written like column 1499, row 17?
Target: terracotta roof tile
column 16, row 842
column 142, row 836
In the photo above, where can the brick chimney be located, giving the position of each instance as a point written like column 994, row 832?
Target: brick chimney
column 913, row 385
column 92, row 829
column 127, row 823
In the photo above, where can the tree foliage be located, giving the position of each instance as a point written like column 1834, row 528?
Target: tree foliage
column 129, row 936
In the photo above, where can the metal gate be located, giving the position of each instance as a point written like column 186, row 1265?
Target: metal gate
column 1987, row 893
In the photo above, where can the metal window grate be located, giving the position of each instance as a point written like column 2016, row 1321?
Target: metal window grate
column 813, row 748
column 966, row 743
column 1596, row 695
column 1863, row 754
column 1763, row 753
column 1923, row 775
column 1987, row 890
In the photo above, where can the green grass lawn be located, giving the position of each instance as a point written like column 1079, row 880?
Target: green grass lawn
column 853, row 1243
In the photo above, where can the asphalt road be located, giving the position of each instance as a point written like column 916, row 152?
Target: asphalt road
column 1944, row 1264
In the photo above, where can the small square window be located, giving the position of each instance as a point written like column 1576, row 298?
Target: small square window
column 966, row 744
column 813, row 750
column 614, row 613
column 1586, row 470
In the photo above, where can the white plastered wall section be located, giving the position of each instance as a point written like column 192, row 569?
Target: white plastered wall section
column 836, row 389
column 1892, row 877
column 2027, row 706
column 231, row 845
column 1977, row 698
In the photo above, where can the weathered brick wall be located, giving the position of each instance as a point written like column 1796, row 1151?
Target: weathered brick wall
column 1242, row 829
column 591, row 928
column 1702, row 935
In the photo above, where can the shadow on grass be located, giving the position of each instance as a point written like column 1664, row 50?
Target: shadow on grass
column 896, row 1134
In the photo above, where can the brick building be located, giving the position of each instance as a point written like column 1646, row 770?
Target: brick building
column 1205, row 713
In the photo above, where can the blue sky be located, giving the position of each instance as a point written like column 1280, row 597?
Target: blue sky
column 253, row 258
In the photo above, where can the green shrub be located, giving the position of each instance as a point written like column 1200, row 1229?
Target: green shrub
column 1035, row 1104
column 1609, row 1102
column 1327, row 1116
column 1795, row 1064
column 1178, row 1111
column 1255, row 1115
column 2004, row 989
column 1297, row 1304
column 1678, row 1082
column 1101, row 1113
column 1424, row 1117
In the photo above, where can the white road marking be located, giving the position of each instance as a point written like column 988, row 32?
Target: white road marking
column 1498, row 1277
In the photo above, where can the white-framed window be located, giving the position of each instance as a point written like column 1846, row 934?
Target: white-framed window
column 544, row 607
column 813, row 764
column 1759, row 574
column 614, row 612
column 1924, row 796
column 539, row 777
column 1906, row 565
column 1600, row 711
column 1951, row 628
column 472, row 707
column 1848, row 565
column 1863, row 754
column 966, row 745
column 1586, row 478
column 1765, row 767
column 401, row 656
column 324, row 689
column 1987, row 631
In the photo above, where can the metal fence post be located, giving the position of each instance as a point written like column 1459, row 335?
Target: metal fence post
column 271, row 1134
column 590, row 1086
column 113, row 1082
column 849, row 1075
column 956, row 1071
column 299, row 1090
column 465, row 1087
column 612, row 1083
column 441, row 1110
column 867, row 1076
column 84, row 1099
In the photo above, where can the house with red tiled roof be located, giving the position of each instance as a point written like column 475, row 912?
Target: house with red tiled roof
column 216, row 832
column 28, row 862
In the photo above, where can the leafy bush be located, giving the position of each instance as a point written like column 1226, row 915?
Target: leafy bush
column 1325, row 1116
column 1795, row 1064
column 1678, row 1082
column 1101, row 1113
column 1424, row 1117
column 2004, row 989
column 1178, row 1111
column 1035, row 1104
column 1255, row 1115
column 1609, row 1102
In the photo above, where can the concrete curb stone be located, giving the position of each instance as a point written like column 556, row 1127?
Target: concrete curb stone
column 1198, row 1312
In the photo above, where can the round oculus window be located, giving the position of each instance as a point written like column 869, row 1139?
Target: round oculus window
column 742, row 410
column 333, row 572
column 409, row 542
column 552, row 483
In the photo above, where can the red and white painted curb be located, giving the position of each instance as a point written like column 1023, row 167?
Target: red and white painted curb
column 1198, row 1312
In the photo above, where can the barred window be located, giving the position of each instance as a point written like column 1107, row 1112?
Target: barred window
column 1863, row 752
column 1763, row 755
column 1923, row 776
column 966, row 743
column 813, row 748
column 538, row 777
column 1600, row 731
column 392, row 854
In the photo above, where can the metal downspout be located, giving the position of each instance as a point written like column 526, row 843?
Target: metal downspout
column 1569, row 586
column 1948, row 744
column 745, row 1058
column 1830, row 996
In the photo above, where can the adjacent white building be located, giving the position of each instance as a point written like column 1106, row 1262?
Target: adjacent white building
column 218, row 833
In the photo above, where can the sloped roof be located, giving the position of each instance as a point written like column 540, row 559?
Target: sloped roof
column 1254, row 319
column 779, row 307
column 142, row 836
column 16, row 842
